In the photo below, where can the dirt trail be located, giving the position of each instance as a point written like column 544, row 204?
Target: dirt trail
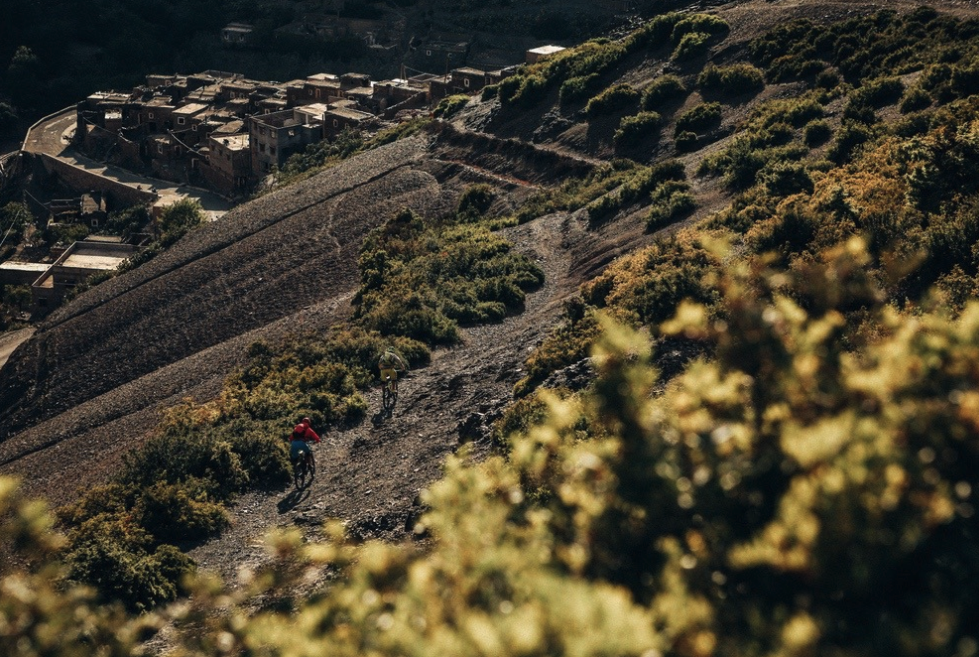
column 370, row 475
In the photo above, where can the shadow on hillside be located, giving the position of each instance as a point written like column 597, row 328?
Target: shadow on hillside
column 293, row 499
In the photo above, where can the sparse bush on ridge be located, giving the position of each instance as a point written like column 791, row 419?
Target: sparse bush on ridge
column 450, row 105
column 613, row 99
column 636, row 128
column 663, row 89
column 578, row 88
column 693, row 44
column 733, row 80
column 699, row 118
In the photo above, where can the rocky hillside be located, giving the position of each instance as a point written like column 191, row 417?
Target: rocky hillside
column 829, row 146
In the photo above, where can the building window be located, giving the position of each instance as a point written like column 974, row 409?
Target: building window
column 428, row 53
column 336, row 123
column 181, row 120
column 466, row 82
column 150, row 114
column 159, row 149
column 194, row 127
column 292, row 132
column 261, row 131
column 261, row 148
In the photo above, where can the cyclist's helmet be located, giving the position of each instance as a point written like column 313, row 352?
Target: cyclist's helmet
column 306, row 421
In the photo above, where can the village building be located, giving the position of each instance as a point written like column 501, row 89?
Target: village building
column 74, row 266
column 534, row 55
column 237, row 35
column 338, row 119
column 274, row 137
column 229, row 159
column 13, row 272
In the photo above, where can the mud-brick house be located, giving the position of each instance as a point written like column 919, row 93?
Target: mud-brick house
column 189, row 117
column 467, row 80
column 237, row 35
column 275, row 136
column 362, row 96
column 157, row 113
column 313, row 90
column 21, row 273
column 74, row 266
column 390, row 96
column 229, row 163
column 534, row 55
column 338, row 119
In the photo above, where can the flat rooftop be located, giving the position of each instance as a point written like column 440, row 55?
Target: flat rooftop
column 11, row 265
column 92, row 261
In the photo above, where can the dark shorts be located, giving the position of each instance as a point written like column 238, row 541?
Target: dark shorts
column 297, row 447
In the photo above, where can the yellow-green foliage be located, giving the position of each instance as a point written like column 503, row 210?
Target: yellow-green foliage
column 634, row 129
column 808, row 490
column 769, row 135
column 699, row 118
column 615, row 98
column 872, row 46
column 450, row 105
column 663, row 89
column 670, row 202
column 422, row 278
column 41, row 616
column 642, row 288
column 733, row 80
column 577, row 70
column 638, row 182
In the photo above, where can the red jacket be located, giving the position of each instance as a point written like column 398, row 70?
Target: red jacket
column 304, row 432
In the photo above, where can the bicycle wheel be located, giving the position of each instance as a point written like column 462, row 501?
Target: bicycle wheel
column 299, row 472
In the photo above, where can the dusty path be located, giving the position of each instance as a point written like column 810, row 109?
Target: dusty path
column 370, row 475
column 12, row 340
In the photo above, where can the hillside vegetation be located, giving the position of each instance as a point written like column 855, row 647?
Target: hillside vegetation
column 776, row 454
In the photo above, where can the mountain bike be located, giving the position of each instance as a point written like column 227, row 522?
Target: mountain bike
column 389, row 394
column 303, row 471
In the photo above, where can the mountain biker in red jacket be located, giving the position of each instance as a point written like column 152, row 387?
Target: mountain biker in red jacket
column 302, row 435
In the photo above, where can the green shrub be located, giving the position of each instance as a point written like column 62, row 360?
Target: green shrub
column 128, row 221
column 708, row 24
column 915, row 99
column 450, row 105
column 663, row 89
column 692, row 45
column 121, row 561
column 827, row 80
column 613, row 99
column 638, row 182
column 686, row 142
column 421, row 279
column 578, row 88
column 636, row 128
column 849, row 137
column 817, row 133
column 699, row 118
column 178, row 512
column 490, row 92
column 782, row 178
column 734, row 80
column 475, row 202
column 656, row 32
column 671, row 201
